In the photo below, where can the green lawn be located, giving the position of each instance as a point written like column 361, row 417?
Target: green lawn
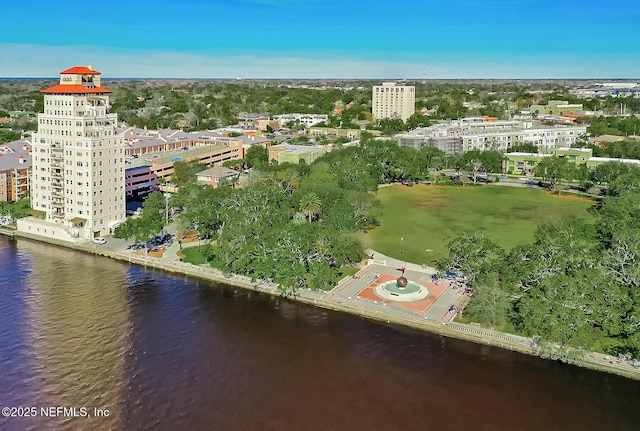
column 425, row 217
column 193, row 255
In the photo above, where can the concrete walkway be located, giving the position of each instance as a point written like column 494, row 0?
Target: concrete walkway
column 381, row 259
column 117, row 249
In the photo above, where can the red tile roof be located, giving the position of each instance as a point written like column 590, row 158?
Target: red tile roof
column 80, row 70
column 75, row 89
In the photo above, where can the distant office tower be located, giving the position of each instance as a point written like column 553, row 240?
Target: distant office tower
column 78, row 160
column 393, row 100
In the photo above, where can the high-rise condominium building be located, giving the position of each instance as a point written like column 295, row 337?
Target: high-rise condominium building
column 78, row 159
column 393, row 100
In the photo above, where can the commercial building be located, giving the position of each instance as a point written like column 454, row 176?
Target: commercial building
column 335, row 133
column 521, row 163
column 393, row 100
column 476, row 134
column 15, row 170
column 524, row 163
column 604, row 89
column 556, row 107
column 286, row 153
column 78, row 159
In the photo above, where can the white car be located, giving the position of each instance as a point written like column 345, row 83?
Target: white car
column 99, row 241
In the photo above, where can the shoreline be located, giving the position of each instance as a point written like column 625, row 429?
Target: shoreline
column 455, row 330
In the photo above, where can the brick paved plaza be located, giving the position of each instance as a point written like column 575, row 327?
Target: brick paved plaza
column 359, row 291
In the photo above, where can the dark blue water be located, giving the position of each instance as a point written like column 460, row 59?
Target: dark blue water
column 167, row 353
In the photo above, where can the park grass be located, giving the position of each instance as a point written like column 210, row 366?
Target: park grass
column 427, row 217
column 346, row 271
column 192, row 255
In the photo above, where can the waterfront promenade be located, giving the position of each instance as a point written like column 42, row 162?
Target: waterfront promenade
column 350, row 295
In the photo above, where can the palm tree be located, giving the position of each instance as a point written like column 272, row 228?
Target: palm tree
column 310, row 205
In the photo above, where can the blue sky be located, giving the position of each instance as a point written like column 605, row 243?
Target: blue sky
column 323, row 38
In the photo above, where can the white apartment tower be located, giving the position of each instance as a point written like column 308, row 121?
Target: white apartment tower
column 393, row 100
column 78, row 160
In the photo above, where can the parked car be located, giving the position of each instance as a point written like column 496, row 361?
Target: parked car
column 99, row 241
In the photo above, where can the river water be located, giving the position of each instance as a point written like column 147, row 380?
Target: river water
column 160, row 352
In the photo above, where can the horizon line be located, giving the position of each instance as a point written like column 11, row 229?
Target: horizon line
column 336, row 79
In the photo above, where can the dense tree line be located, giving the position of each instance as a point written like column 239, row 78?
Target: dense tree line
column 299, row 224
column 555, row 170
column 613, row 125
column 577, row 285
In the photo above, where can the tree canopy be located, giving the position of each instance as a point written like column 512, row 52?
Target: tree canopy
column 577, row 285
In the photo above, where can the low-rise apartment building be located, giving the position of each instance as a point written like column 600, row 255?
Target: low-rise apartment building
column 214, row 176
column 463, row 135
column 15, row 170
column 307, row 120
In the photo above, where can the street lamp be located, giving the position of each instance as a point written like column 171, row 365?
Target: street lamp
column 401, row 243
column 166, row 208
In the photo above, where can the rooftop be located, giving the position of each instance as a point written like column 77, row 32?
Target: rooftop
column 298, row 149
column 74, row 89
column 217, row 172
column 11, row 152
column 80, row 70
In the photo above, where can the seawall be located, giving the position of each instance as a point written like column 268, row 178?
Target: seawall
column 455, row 330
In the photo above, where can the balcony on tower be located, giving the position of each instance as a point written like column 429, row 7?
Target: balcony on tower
column 57, row 202
column 57, row 153
column 87, row 81
column 96, row 106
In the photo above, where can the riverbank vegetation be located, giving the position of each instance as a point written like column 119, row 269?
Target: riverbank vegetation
column 576, row 285
column 17, row 209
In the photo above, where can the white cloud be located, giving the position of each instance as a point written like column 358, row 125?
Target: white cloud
column 43, row 61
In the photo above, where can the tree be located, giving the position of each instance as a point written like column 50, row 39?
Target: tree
column 553, row 170
column 523, row 147
column 310, row 205
column 391, row 126
column 474, row 255
column 625, row 182
column 418, row 120
column 484, row 161
column 184, row 172
column 606, row 173
column 257, row 156
column 490, row 304
column 199, row 111
column 8, row 136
